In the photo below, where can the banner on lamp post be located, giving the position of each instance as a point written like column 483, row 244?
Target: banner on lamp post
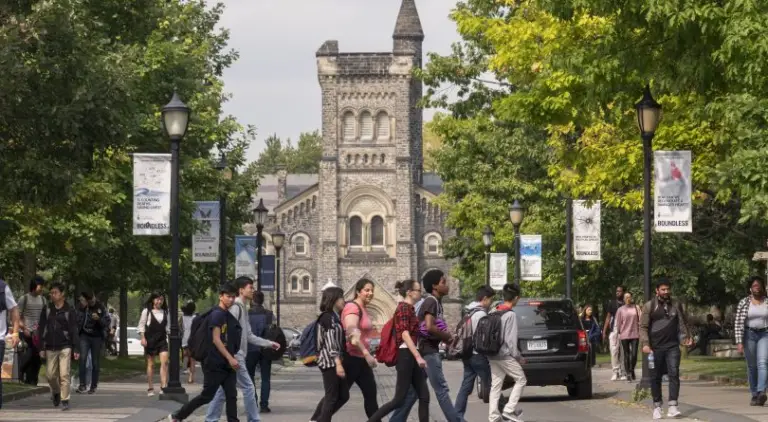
column 245, row 257
column 498, row 270
column 586, row 231
column 267, row 273
column 151, row 194
column 205, row 243
column 672, row 191
column 530, row 257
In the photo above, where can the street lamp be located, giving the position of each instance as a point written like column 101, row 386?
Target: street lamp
column 226, row 174
column 175, row 120
column 488, row 242
column 260, row 212
column 516, row 215
column 648, row 116
column 278, row 239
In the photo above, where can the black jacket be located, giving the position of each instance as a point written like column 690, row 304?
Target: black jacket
column 58, row 328
column 94, row 327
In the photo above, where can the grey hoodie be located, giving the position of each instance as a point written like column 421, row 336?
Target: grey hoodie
column 509, row 349
column 247, row 336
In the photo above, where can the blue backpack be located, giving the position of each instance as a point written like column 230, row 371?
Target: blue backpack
column 308, row 344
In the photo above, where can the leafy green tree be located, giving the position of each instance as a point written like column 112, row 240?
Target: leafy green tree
column 303, row 158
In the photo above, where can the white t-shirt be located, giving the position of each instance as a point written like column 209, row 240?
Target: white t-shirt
column 10, row 303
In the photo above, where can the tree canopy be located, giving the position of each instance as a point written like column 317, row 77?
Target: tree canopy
column 545, row 111
column 302, row 158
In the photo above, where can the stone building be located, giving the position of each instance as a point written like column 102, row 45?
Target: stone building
column 369, row 213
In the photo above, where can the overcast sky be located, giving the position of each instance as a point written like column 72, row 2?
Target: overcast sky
column 274, row 83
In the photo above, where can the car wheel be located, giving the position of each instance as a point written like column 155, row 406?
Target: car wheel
column 581, row 390
column 482, row 392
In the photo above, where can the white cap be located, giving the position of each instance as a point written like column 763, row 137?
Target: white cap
column 329, row 284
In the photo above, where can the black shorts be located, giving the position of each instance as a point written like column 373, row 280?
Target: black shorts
column 156, row 349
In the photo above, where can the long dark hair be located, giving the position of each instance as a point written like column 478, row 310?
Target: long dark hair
column 360, row 285
column 752, row 280
column 188, row 309
column 403, row 287
column 330, row 296
column 150, row 302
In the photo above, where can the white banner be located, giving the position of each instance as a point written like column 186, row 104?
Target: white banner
column 530, row 257
column 498, row 270
column 205, row 243
column 586, row 231
column 672, row 194
column 151, row 194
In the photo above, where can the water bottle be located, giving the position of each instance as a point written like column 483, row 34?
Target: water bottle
column 651, row 363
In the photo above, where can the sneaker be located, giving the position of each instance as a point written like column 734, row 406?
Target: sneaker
column 622, row 378
column 172, row 418
column 657, row 413
column 615, row 377
column 673, row 412
column 754, row 401
column 92, row 390
column 761, row 399
column 80, row 390
column 266, row 409
column 65, row 405
column 150, row 392
column 56, row 398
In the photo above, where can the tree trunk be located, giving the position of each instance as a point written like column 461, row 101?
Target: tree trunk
column 123, row 321
column 30, row 266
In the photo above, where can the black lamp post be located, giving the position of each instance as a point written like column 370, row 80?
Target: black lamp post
column 516, row 215
column 648, row 116
column 568, row 247
column 226, row 172
column 175, row 119
column 278, row 239
column 260, row 212
column 487, row 242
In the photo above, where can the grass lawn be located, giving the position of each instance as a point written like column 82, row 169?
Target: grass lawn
column 703, row 365
column 115, row 367
column 14, row 387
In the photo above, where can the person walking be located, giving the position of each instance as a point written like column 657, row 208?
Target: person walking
column 507, row 363
column 751, row 327
column 31, row 306
column 94, row 324
column 9, row 312
column 114, row 324
column 59, row 342
column 358, row 360
column 410, row 365
column 662, row 324
column 476, row 365
column 610, row 333
column 260, row 319
column 244, row 286
column 433, row 331
column 330, row 339
column 628, row 327
column 220, row 366
column 154, row 330
column 592, row 327
column 188, row 315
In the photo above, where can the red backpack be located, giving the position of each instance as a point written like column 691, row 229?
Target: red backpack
column 387, row 351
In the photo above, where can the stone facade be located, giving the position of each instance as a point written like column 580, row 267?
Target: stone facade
column 369, row 213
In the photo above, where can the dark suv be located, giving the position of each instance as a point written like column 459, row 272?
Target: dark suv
column 555, row 344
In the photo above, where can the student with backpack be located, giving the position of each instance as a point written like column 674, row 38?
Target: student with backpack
column 359, row 362
column 260, row 319
column 31, row 305
column 475, row 364
column 329, row 338
column 94, row 325
column 59, row 342
column 185, row 325
column 496, row 337
column 154, row 330
column 214, row 341
column 245, row 291
column 410, row 365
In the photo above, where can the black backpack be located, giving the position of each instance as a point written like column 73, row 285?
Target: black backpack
column 275, row 334
column 489, row 336
column 200, row 340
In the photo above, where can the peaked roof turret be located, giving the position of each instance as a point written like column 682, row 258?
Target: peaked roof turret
column 408, row 23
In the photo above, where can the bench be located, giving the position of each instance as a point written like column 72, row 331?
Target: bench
column 723, row 348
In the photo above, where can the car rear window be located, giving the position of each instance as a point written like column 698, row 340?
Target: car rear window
column 552, row 315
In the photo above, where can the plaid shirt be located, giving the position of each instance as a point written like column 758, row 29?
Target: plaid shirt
column 405, row 320
column 741, row 318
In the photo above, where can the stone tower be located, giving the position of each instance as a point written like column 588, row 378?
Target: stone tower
column 371, row 156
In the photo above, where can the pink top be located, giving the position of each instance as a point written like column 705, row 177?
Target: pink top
column 628, row 322
column 364, row 324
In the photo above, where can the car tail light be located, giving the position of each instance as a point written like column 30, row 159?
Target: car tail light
column 583, row 345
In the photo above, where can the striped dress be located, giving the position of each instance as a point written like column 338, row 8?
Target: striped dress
column 330, row 340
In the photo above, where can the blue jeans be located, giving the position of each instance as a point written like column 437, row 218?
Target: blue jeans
column 265, row 368
column 245, row 384
column 476, row 366
column 90, row 345
column 756, row 352
column 2, row 356
column 439, row 386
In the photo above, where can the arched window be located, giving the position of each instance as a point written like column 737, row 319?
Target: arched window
column 294, row 283
column 382, row 126
column 366, row 126
column 355, row 231
column 300, row 244
column 433, row 244
column 301, row 282
column 305, row 283
column 377, row 231
column 348, row 123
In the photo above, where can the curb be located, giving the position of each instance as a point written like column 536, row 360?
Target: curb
column 20, row 395
column 691, row 411
column 717, row 379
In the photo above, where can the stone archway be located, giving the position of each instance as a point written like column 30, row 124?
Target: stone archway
column 381, row 308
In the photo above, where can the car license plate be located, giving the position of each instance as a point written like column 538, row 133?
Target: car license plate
column 534, row 345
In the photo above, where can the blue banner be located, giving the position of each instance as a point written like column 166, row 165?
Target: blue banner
column 267, row 273
column 245, row 256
